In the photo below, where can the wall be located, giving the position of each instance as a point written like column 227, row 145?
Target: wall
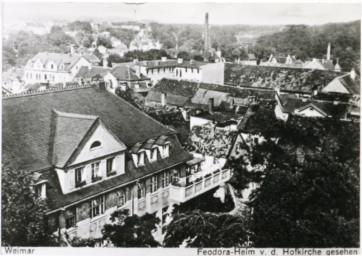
column 213, row 73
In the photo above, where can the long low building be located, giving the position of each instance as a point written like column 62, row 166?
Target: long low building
column 92, row 153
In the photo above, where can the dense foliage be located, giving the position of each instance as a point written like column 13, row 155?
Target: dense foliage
column 131, row 231
column 205, row 229
column 311, row 42
column 310, row 194
column 23, row 220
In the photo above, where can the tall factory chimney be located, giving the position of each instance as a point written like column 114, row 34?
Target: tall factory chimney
column 207, row 46
column 329, row 51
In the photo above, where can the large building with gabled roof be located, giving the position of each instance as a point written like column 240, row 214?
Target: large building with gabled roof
column 92, row 153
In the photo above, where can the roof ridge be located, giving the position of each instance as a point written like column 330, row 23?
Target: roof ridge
column 50, row 90
column 172, row 131
column 74, row 115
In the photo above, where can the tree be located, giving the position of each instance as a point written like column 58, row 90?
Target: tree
column 131, row 231
column 205, row 229
column 309, row 195
column 23, row 214
column 236, row 53
column 114, row 58
column 105, row 41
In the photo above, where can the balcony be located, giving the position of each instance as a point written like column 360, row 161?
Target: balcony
column 205, row 182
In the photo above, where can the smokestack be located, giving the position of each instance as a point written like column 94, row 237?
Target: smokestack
column 329, row 51
column 211, row 105
column 72, row 50
column 231, row 103
column 207, row 42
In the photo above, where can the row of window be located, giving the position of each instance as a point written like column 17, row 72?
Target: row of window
column 80, row 177
column 38, row 76
column 152, row 155
column 97, row 205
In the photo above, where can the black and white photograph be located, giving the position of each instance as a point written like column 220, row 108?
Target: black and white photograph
column 180, row 128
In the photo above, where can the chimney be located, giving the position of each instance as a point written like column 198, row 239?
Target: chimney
column 329, row 51
column 231, row 103
column 163, row 59
column 105, row 62
column 211, row 105
column 180, row 60
column 72, row 50
column 353, row 74
column 163, row 99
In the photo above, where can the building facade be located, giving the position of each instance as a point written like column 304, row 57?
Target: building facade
column 93, row 153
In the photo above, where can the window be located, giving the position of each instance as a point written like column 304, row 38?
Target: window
column 166, row 150
column 97, row 206
column 121, row 198
column 154, row 184
column 51, row 66
column 40, row 190
column 140, row 159
column 96, row 173
column 95, row 144
column 154, row 154
column 180, row 73
column 79, row 176
column 45, row 76
column 256, row 140
column 110, row 171
column 141, row 191
column 165, row 179
column 70, row 217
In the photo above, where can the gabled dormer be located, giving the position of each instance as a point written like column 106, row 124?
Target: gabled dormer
column 163, row 145
column 151, row 150
column 138, row 154
column 84, row 151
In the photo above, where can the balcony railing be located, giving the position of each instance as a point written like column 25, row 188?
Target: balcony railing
column 182, row 193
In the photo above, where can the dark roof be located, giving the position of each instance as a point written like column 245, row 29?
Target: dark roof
column 57, row 199
column 69, row 130
column 125, row 73
column 171, row 99
column 171, row 63
column 352, row 86
column 87, row 73
column 28, row 119
column 329, row 108
column 91, row 58
column 294, row 79
column 182, row 88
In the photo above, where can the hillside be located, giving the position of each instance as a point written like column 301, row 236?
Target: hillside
column 307, row 42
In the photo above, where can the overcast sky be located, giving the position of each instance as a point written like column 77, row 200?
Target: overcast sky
column 219, row 13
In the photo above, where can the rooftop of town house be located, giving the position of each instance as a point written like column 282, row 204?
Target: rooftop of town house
column 293, row 79
column 126, row 73
column 327, row 108
column 28, row 118
column 87, row 73
column 172, row 63
column 171, row 99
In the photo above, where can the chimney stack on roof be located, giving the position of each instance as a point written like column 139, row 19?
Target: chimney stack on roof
column 211, row 105
column 105, row 62
column 163, row 99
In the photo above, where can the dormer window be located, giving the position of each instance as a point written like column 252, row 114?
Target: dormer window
column 95, row 145
column 166, row 150
column 140, row 159
column 153, row 156
column 40, row 190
